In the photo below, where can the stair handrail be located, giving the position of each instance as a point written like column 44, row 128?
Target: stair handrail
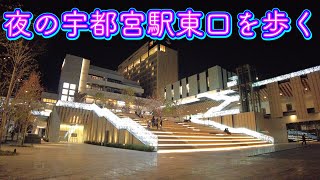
column 246, row 131
column 141, row 133
column 138, row 131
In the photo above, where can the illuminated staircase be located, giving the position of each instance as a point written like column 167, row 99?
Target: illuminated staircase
column 191, row 137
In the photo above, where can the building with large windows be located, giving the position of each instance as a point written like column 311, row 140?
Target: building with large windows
column 78, row 75
column 213, row 79
column 285, row 106
column 154, row 65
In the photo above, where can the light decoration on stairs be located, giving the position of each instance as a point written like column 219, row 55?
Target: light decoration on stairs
column 222, row 127
column 220, row 96
column 142, row 134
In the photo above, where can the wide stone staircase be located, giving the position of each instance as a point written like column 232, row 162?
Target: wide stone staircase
column 189, row 137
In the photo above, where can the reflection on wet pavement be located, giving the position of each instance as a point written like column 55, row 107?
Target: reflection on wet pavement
column 82, row 161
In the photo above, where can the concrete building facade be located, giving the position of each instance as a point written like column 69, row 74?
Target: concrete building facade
column 213, row 79
column 78, row 75
column 154, row 65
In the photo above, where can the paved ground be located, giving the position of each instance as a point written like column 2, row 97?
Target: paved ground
column 82, row 161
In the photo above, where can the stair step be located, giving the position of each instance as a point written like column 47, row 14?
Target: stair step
column 186, row 150
column 209, row 137
column 209, row 145
column 206, row 140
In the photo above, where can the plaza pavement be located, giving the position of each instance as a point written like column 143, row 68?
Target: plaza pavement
column 82, row 161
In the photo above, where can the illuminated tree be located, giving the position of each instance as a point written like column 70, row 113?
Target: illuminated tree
column 155, row 105
column 18, row 60
column 128, row 96
column 139, row 104
column 27, row 99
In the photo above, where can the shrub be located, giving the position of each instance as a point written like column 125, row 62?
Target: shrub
column 138, row 147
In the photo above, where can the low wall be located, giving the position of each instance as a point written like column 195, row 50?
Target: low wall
column 277, row 126
column 95, row 128
column 242, row 120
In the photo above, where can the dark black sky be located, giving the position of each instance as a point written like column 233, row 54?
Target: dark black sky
column 290, row 53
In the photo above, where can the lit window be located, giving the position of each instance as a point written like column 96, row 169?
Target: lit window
column 71, row 93
column 70, row 99
column 153, row 50
column 72, row 86
column 152, row 74
column 65, row 91
column 188, row 88
column 145, row 56
column 130, row 67
column 66, row 85
column 162, row 48
column 152, row 68
column 121, row 103
column 137, row 62
column 64, row 98
column 49, row 100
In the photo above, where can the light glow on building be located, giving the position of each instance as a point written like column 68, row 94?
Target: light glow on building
column 287, row 76
column 222, row 127
column 145, row 136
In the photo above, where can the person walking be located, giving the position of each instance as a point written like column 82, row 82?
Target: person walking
column 160, row 122
column 149, row 124
column 304, row 139
column 157, row 123
column 153, row 121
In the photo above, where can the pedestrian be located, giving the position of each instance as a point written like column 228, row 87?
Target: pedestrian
column 226, row 130
column 304, row 139
column 12, row 135
column 153, row 121
column 149, row 124
column 157, row 123
column 160, row 122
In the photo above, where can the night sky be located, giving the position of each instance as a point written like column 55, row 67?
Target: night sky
column 288, row 54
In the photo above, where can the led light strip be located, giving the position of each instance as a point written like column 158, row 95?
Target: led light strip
column 234, row 130
column 211, row 144
column 206, row 140
column 211, row 149
column 209, row 137
column 145, row 136
column 286, row 76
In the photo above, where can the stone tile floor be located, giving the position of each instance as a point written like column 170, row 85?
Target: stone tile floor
column 82, row 161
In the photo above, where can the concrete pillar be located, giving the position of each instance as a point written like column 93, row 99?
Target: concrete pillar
column 298, row 96
column 274, row 100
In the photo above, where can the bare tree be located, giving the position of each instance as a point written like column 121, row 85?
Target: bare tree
column 99, row 98
column 139, row 104
column 17, row 61
column 27, row 99
column 20, row 61
column 155, row 105
column 79, row 97
column 129, row 98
